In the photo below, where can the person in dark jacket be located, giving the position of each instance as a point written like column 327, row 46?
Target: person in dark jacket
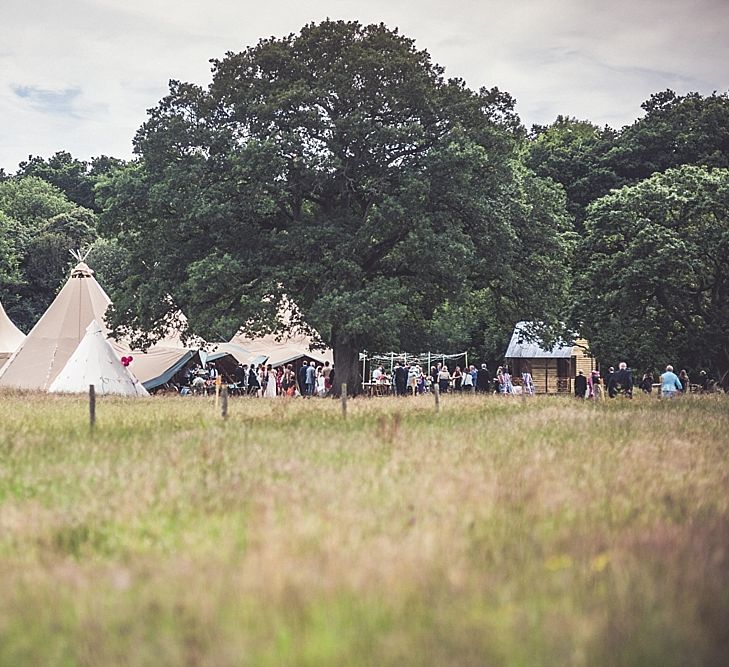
column 483, row 381
column 253, row 384
column 646, row 383
column 401, row 379
column 580, row 385
column 621, row 382
column 301, row 377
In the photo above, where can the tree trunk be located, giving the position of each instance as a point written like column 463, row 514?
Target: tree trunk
column 346, row 368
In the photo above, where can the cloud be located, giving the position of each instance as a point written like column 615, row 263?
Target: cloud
column 80, row 75
column 50, row 101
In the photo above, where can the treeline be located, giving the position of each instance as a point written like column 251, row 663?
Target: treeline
column 398, row 209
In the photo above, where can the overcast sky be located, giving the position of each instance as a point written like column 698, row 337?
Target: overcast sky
column 79, row 75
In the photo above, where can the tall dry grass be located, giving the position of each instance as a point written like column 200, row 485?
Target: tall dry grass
column 497, row 532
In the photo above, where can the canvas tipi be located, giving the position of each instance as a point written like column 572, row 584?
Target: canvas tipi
column 57, row 334
column 96, row 363
column 10, row 337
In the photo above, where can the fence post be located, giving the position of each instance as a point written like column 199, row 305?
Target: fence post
column 224, row 401
column 436, row 394
column 344, row 400
column 92, row 407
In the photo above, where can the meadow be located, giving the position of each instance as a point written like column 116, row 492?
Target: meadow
column 497, row 532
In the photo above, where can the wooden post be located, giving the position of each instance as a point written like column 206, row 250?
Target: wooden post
column 92, row 406
column 344, row 400
column 224, row 402
column 436, row 393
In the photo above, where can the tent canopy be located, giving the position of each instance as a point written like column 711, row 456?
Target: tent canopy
column 11, row 338
column 95, row 362
column 55, row 337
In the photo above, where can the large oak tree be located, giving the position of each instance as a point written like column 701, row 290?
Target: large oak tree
column 340, row 168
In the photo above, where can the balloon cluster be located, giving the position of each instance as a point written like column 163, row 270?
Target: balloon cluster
column 126, row 361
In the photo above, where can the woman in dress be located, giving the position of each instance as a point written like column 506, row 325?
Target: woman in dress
column 457, row 378
column 527, row 383
column 444, row 379
column 270, row 379
column 507, row 387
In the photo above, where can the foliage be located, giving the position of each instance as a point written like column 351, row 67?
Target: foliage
column 42, row 226
column 550, row 532
column 569, row 152
column 589, row 162
column 337, row 167
column 75, row 178
column 653, row 286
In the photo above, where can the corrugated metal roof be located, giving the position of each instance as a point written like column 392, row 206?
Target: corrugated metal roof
column 523, row 349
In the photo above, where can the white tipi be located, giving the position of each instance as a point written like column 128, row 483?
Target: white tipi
column 10, row 337
column 96, row 363
column 57, row 334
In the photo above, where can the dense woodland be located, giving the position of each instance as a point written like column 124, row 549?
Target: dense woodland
column 396, row 207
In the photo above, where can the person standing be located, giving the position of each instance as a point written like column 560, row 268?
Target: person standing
column 326, row 372
column 467, row 383
column 621, row 382
column 594, row 386
column 670, row 383
column 270, row 378
column 483, row 381
column 302, row 378
column 685, row 382
column 253, row 384
column 527, row 383
column 444, row 379
column 400, row 377
column 580, row 385
column 457, row 379
column 607, row 380
column 414, row 374
column 241, row 378
column 310, row 379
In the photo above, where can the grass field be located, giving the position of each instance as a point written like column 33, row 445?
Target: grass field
column 494, row 533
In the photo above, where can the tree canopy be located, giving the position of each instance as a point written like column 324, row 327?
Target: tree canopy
column 38, row 227
column 337, row 167
column 654, row 286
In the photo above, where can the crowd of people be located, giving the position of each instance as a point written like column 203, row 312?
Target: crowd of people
column 621, row 383
column 412, row 379
column 262, row 380
column 317, row 379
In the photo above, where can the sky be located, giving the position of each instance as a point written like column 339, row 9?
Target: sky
column 80, row 75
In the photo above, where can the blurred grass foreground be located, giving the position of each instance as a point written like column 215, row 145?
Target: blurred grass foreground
column 497, row 532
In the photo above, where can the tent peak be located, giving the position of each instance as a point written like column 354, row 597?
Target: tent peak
column 82, row 270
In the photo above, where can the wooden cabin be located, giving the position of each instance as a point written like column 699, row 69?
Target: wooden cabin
column 553, row 371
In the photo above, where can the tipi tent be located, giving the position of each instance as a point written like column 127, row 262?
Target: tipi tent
column 55, row 337
column 10, row 337
column 96, row 363
column 57, row 334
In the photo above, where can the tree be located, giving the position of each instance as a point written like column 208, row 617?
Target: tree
column 75, row 178
column 570, row 152
column 64, row 172
column 676, row 130
column 589, row 161
column 654, row 287
column 41, row 225
column 337, row 167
